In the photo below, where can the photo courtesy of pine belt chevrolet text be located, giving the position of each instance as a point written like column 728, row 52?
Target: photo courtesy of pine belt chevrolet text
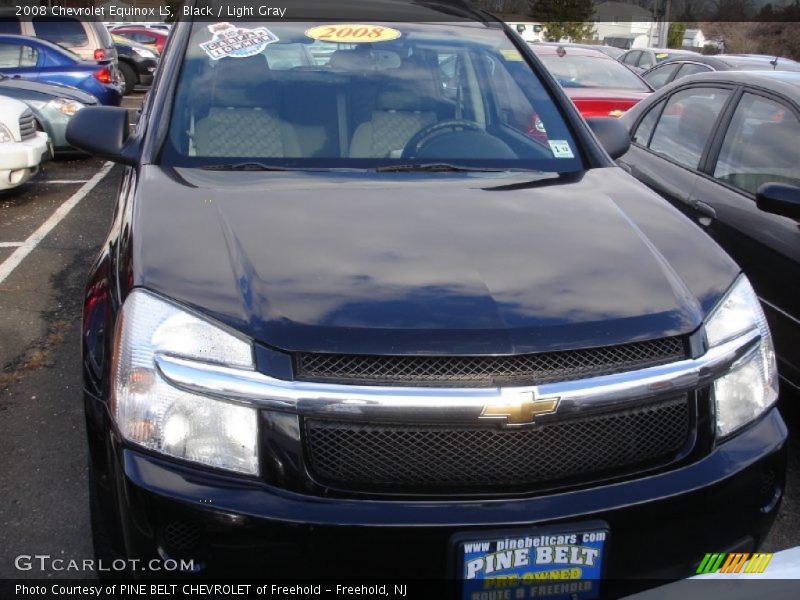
column 357, row 316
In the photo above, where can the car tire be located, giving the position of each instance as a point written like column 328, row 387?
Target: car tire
column 129, row 75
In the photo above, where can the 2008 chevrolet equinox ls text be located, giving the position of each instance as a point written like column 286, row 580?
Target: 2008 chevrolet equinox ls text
column 395, row 310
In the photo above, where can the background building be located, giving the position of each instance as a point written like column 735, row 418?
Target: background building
column 624, row 25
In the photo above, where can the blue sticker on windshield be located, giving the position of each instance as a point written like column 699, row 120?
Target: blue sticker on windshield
column 237, row 42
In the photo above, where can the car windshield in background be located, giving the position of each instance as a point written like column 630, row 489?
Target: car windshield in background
column 591, row 72
column 363, row 96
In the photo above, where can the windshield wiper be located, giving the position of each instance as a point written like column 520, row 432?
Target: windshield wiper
column 434, row 168
column 245, row 166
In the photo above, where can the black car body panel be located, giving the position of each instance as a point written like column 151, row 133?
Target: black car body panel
column 447, row 264
column 766, row 246
column 477, row 269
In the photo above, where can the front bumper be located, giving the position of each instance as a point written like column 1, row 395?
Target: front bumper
column 660, row 525
column 55, row 122
column 19, row 161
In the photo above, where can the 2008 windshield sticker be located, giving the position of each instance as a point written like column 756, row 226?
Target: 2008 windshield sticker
column 237, row 42
column 353, row 33
column 560, row 149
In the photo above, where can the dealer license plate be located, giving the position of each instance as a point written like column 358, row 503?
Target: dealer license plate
column 551, row 562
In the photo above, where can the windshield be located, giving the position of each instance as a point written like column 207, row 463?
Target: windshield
column 591, row 72
column 362, row 96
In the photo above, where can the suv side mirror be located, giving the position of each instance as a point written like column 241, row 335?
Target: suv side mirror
column 611, row 134
column 102, row 131
column 780, row 199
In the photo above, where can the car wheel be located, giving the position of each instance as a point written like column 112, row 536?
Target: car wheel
column 129, row 75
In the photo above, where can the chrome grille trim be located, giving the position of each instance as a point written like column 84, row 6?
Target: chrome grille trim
column 449, row 405
column 27, row 125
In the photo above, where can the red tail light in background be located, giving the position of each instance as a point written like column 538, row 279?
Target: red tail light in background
column 103, row 75
column 606, row 107
column 100, row 54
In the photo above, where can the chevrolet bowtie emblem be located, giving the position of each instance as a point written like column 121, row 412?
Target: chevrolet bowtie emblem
column 522, row 410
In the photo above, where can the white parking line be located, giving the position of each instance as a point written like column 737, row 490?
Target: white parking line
column 10, row 244
column 13, row 261
column 62, row 181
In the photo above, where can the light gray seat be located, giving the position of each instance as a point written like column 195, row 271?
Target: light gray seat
column 242, row 119
column 398, row 116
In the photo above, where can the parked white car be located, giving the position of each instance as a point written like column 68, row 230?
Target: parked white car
column 22, row 147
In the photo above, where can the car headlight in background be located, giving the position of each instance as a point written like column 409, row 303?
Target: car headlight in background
column 5, row 134
column 152, row 413
column 68, row 107
column 751, row 385
column 144, row 52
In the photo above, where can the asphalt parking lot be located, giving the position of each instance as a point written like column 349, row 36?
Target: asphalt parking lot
column 50, row 231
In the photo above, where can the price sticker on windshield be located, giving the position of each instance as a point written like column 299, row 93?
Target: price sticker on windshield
column 511, row 55
column 353, row 33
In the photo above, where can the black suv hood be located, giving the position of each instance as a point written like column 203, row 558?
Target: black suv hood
column 433, row 263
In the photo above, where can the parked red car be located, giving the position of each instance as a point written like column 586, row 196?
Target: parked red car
column 596, row 83
column 143, row 35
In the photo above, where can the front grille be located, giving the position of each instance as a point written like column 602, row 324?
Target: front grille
column 411, row 458
column 27, row 125
column 486, row 371
column 181, row 535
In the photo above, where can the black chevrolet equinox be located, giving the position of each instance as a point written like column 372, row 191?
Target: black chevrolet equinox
column 376, row 301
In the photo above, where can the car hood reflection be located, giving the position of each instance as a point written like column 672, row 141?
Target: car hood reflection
column 426, row 263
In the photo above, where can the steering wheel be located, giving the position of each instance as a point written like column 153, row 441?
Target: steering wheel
column 434, row 130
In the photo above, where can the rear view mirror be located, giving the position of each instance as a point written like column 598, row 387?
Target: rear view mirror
column 102, row 131
column 611, row 134
column 779, row 199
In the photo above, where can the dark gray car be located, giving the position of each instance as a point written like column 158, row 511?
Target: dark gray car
column 677, row 67
column 641, row 59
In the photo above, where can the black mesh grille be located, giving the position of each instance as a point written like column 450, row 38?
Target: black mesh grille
column 486, row 371
column 181, row 535
column 406, row 458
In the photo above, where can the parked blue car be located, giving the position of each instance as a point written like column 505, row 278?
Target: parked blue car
column 40, row 60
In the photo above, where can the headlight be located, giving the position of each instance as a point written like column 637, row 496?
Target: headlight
column 5, row 134
column 144, row 52
column 751, row 386
column 68, row 107
column 154, row 414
